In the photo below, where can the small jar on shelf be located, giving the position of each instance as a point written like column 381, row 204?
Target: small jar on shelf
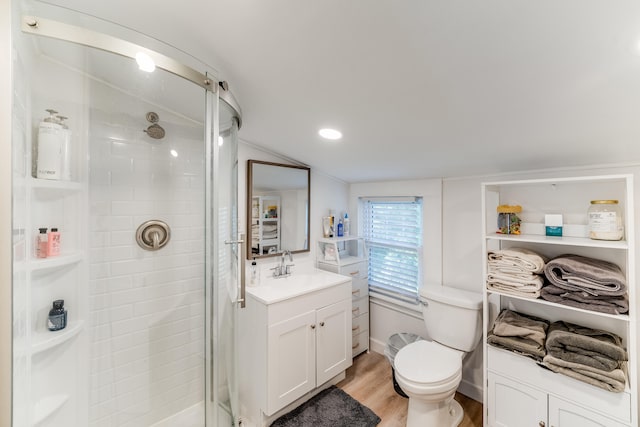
column 605, row 220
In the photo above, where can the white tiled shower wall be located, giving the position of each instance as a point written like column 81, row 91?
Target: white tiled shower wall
column 146, row 308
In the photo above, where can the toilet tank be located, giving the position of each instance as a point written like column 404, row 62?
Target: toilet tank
column 453, row 316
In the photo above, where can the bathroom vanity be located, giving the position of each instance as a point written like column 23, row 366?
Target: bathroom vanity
column 294, row 337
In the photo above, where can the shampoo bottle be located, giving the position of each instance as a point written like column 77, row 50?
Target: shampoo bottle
column 50, row 142
column 42, row 243
column 345, row 224
column 57, row 316
column 65, row 150
column 53, row 242
column 340, row 228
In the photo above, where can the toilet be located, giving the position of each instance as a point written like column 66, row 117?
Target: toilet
column 429, row 372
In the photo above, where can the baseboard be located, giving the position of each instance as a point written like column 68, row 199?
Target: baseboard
column 377, row 345
column 471, row 390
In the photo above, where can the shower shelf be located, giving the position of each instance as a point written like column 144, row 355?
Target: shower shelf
column 59, row 261
column 43, row 341
column 55, row 185
column 47, row 406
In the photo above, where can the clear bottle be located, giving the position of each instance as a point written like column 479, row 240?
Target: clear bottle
column 57, row 316
column 605, row 220
column 42, row 241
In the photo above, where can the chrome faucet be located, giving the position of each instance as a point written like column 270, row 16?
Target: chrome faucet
column 283, row 269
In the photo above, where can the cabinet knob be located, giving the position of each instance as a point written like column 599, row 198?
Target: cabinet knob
column 321, row 323
column 541, row 424
column 313, row 326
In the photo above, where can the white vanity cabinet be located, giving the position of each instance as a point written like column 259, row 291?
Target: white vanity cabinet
column 348, row 256
column 518, row 392
column 291, row 346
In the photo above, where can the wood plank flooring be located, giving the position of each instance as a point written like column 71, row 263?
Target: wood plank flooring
column 369, row 381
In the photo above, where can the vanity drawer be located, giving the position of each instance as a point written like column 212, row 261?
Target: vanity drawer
column 359, row 288
column 356, row 270
column 359, row 324
column 360, row 306
column 360, row 343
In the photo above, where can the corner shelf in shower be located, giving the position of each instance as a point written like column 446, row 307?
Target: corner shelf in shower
column 56, row 262
column 43, row 341
column 55, row 186
column 47, row 406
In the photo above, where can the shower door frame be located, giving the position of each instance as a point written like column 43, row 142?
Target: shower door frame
column 214, row 92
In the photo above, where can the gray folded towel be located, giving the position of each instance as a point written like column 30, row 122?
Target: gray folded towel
column 614, row 380
column 579, row 273
column 590, row 347
column 586, row 301
column 520, row 333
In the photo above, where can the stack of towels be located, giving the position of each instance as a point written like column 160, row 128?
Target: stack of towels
column 589, row 355
column 586, row 283
column 520, row 333
column 516, row 271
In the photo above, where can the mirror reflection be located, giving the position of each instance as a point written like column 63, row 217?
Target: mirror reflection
column 277, row 208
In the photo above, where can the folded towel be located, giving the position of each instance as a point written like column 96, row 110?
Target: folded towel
column 613, row 380
column 531, row 292
column 523, row 334
column 590, row 347
column 517, row 259
column 579, row 273
column 586, row 301
column 513, row 324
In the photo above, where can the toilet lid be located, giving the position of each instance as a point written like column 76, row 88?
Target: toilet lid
column 427, row 362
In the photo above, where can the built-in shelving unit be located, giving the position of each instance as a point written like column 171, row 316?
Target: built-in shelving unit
column 517, row 388
column 265, row 225
column 348, row 256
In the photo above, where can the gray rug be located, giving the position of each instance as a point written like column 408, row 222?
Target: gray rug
column 329, row 408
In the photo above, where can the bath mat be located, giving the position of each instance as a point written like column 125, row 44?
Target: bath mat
column 329, row 408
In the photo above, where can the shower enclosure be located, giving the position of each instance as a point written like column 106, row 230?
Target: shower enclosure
column 137, row 170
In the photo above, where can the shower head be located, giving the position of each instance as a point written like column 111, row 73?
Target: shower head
column 155, row 131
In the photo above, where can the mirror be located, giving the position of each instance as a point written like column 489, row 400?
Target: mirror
column 277, row 208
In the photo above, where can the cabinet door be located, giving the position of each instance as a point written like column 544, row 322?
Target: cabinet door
column 512, row 404
column 565, row 414
column 291, row 360
column 333, row 340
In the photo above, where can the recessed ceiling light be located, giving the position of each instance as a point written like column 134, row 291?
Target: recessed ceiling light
column 145, row 63
column 331, row 134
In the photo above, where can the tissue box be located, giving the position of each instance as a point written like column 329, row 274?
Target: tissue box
column 553, row 224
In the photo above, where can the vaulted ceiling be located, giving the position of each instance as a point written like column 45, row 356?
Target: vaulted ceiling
column 419, row 88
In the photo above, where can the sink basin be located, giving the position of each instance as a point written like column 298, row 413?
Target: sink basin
column 273, row 289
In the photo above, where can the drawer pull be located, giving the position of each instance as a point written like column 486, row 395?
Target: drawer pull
column 355, row 273
column 354, row 346
column 355, row 328
column 321, row 323
column 313, row 326
column 541, row 424
column 356, row 292
column 355, row 310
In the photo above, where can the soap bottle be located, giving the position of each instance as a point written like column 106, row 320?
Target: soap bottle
column 254, row 277
column 53, row 242
column 42, row 243
column 345, row 224
column 50, row 142
column 57, row 316
column 65, row 149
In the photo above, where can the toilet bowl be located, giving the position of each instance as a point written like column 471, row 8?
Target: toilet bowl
column 429, row 372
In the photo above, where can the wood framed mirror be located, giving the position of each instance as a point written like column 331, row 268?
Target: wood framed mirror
column 278, row 197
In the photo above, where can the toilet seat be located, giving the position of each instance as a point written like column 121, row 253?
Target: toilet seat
column 429, row 366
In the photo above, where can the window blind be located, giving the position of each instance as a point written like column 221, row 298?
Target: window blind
column 392, row 228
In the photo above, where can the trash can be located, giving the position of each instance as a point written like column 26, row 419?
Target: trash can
column 394, row 344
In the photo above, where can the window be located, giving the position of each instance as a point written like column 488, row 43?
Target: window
column 392, row 228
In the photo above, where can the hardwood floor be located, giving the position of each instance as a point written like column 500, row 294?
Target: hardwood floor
column 369, row 381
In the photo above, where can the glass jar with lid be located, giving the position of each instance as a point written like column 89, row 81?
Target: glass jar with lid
column 605, row 220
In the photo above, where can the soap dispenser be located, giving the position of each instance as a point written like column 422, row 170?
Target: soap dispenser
column 254, row 275
column 50, row 142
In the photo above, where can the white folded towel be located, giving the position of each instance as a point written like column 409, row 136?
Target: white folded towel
column 517, row 259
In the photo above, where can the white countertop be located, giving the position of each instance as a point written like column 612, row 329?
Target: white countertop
column 272, row 290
